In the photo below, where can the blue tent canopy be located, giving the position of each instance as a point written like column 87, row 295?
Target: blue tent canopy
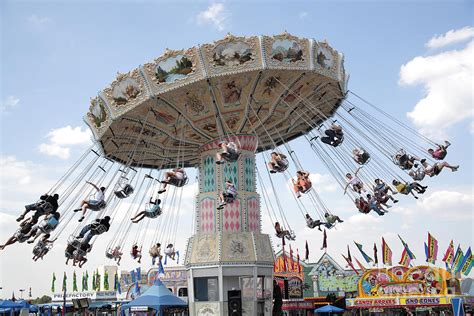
column 329, row 309
column 156, row 297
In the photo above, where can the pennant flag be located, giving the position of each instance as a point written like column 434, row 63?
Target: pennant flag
column 117, row 287
column 292, row 262
column 161, row 270
column 359, row 264
column 405, row 260
column 386, row 253
column 97, row 280
column 366, row 257
column 74, row 282
column 64, row 282
column 349, row 263
column 306, row 255
column 285, row 268
column 376, row 260
column 177, row 257
column 106, row 280
column 427, row 254
column 53, row 282
column 349, row 254
column 467, row 255
column 457, row 259
column 325, row 241
column 93, row 282
column 298, row 258
column 86, row 282
column 405, row 245
column 466, row 269
column 449, row 255
column 139, row 274
column 432, row 249
column 29, row 292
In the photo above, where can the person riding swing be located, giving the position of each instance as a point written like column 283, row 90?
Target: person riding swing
column 46, row 205
column 229, row 152
column 302, row 183
column 313, row 223
column 176, row 177
column 334, row 135
column 228, row 196
column 278, row 162
column 151, row 212
column 94, row 204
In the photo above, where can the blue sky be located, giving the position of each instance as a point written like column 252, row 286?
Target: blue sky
column 56, row 55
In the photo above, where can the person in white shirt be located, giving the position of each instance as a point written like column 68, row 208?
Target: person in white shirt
column 93, row 204
column 356, row 184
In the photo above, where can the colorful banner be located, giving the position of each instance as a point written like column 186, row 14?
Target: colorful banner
column 449, row 255
column 366, row 257
column 405, row 259
column 386, row 253
column 432, row 249
column 466, row 258
column 360, row 265
column 349, row 263
column 457, row 259
column 405, row 245
column 466, row 269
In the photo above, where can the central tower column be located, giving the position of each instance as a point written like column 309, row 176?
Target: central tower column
column 228, row 251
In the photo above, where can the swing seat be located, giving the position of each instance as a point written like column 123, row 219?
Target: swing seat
column 97, row 207
column 231, row 156
column 307, row 189
column 100, row 229
column 38, row 251
column 178, row 182
column 291, row 236
column 51, row 225
column 152, row 214
column 108, row 254
column 124, row 192
column 229, row 198
column 282, row 165
column 364, row 159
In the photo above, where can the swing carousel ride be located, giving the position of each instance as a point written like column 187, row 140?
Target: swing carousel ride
column 214, row 107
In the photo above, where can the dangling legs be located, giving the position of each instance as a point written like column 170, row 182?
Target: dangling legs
column 138, row 217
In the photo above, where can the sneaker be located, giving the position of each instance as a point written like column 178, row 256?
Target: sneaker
column 422, row 161
column 385, row 211
column 455, row 168
column 77, row 210
column 161, row 191
column 81, row 219
column 20, row 218
column 298, row 195
column 272, row 171
column 416, row 197
column 447, row 143
column 415, row 165
column 30, row 241
column 395, row 201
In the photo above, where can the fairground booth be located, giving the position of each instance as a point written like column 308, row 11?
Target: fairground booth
column 421, row 290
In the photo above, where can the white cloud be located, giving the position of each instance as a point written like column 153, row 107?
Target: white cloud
column 451, row 37
column 321, row 182
column 9, row 103
column 61, row 139
column 38, row 21
column 216, row 14
column 303, row 15
column 447, row 78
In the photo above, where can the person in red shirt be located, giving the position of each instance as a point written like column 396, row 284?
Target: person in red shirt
column 440, row 152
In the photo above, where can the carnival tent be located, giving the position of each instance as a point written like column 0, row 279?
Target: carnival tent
column 328, row 309
column 156, row 297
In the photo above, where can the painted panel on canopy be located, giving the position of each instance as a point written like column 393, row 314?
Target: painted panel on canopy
column 287, row 51
column 325, row 59
column 175, row 68
column 233, row 92
column 194, row 100
column 232, row 54
column 125, row 92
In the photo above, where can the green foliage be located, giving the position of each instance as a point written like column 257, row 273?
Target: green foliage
column 42, row 300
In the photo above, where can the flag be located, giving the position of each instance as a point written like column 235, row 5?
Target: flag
column 285, row 268
column 465, row 259
column 106, row 280
column 64, row 282
column 93, row 282
column 74, row 282
column 449, row 255
column 376, row 260
column 306, row 255
column 325, row 241
column 386, row 253
column 349, row 263
column 177, row 257
column 405, row 260
column 29, row 292
column 432, row 249
column 292, row 261
column 86, row 284
column 161, row 270
column 366, row 257
column 139, row 274
column 298, row 260
column 405, row 245
column 117, row 286
column 97, row 281
column 359, row 264
column 427, row 254
column 466, row 269
column 349, row 254
column 53, row 282
column 457, row 258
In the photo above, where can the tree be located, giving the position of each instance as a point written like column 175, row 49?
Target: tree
column 42, row 300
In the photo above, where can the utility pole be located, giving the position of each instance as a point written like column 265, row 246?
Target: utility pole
column 21, row 291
